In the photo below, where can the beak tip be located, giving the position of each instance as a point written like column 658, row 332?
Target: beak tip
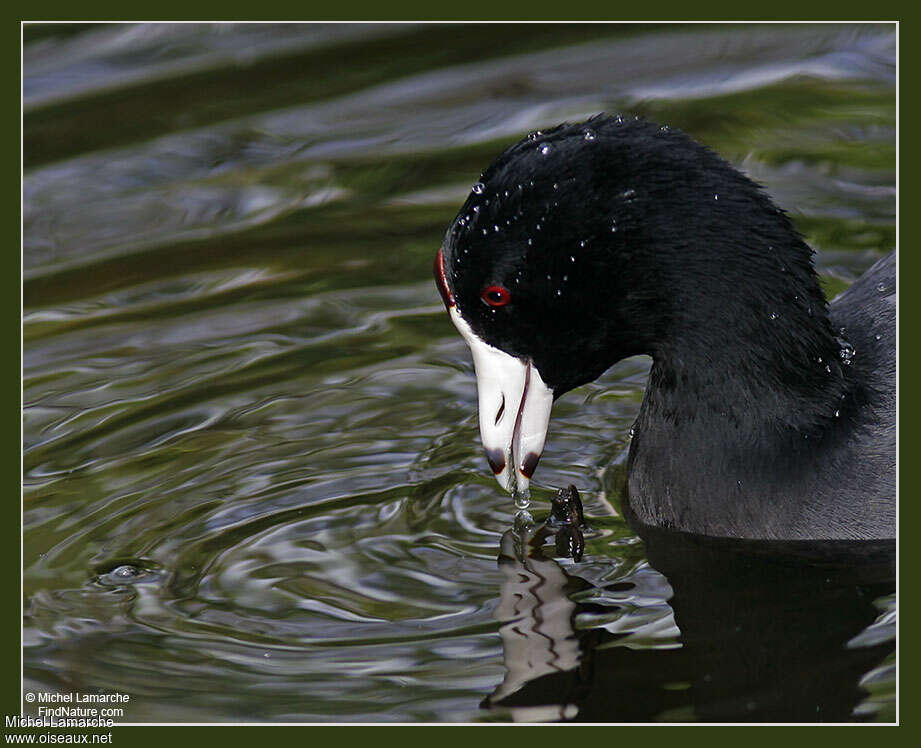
column 496, row 460
column 529, row 464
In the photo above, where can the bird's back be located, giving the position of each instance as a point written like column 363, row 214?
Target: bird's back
column 865, row 317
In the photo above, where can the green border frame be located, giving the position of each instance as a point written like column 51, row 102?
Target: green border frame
column 10, row 687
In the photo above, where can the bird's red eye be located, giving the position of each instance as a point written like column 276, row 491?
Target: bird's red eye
column 496, row 296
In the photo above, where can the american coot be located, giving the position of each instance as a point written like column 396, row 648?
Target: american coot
column 769, row 413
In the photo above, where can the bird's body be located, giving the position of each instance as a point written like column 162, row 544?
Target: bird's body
column 768, row 413
column 749, row 462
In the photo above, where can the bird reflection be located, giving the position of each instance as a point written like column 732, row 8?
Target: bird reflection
column 538, row 638
column 733, row 631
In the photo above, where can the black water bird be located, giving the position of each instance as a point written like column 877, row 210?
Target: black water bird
column 769, row 413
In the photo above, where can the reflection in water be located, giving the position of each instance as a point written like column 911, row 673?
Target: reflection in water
column 537, row 633
column 759, row 632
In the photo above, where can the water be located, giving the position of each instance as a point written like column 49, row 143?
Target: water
column 254, row 488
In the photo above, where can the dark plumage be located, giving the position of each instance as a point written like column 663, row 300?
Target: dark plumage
column 768, row 413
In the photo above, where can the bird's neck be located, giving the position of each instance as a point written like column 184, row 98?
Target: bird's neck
column 747, row 406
